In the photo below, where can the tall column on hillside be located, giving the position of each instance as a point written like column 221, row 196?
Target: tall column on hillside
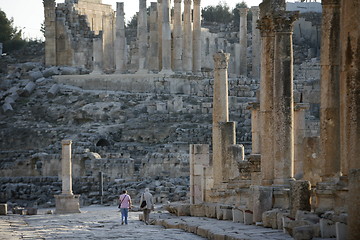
column 243, row 41
column 255, row 43
column 197, row 37
column 220, row 112
column 187, row 40
column 160, row 19
column 153, row 63
column 283, row 99
column 177, row 35
column 166, row 39
column 98, row 54
column 330, row 93
column 50, row 32
column 266, row 26
column 120, row 40
column 142, row 36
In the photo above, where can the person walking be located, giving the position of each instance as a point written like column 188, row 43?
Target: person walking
column 146, row 197
column 124, row 205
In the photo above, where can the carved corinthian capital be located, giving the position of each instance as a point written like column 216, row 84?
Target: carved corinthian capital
column 266, row 26
column 284, row 21
column 187, row 2
column 177, row 1
column 221, row 60
column 197, row 2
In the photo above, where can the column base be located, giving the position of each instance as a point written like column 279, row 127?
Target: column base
column 166, row 72
column 142, row 71
column 67, row 203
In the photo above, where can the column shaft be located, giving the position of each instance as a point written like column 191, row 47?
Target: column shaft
column 283, row 99
column 330, row 94
column 97, row 54
column 255, row 43
column 243, row 41
column 187, row 49
column 50, row 32
column 153, row 63
column 177, row 34
column 142, row 36
column 220, row 111
column 120, row 40
column 66, row 177
column 160, row 19
column 166, row 38
column 197, row 37
column 299, row 135
column 255, row 128
column 266, row 27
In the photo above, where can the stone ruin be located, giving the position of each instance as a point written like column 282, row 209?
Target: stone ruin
column 283, row 165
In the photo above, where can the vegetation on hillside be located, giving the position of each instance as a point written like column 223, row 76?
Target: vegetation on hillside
column 10, row 36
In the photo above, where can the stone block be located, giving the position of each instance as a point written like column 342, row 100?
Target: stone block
column 219, row 212
column 341, row 231
column 300, row 193
column 28, row 89
column 7, row 108
column 31, row 211
column 303, row 232
column 262, row 201
column 53, row 91
column 238, row 215
column 66, row 203
column 197, row 210
column 248, row 217
column 227, row 213
column 327, row 228
column 210, row 210
column 279, row 218
column 3, row 209
column 308, row 216
column 34, row 75
column 269, row 218
column 183, row 210
column 18, row 210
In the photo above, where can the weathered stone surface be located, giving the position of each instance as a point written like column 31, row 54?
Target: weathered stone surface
column 327, row 228
column 303, row 232
column 300, row 192
column 269, row 218
column 53, row 90
column 3, row 209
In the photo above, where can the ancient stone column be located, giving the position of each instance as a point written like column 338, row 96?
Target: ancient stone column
column 350, row 85
column 120, row 40
column 299, row 135
column 266, row 26
column 220, row 111
column 166, row 39
column 153, row 63
column 255, row 128
column 243, row 41
column 330, row 94
column 283, row 99
column 97, row 54
column 177, row 35
column 50, row 32
column 187, row 39
column 255, row 43
column 160, row 19
column 197, row 37
column 142, row 37
column 354, row 204
column 66, row 174
column 66, row 202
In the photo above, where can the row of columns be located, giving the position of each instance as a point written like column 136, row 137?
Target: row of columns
column 186, row 54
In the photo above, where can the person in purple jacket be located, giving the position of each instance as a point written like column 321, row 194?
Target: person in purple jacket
column 125, row 205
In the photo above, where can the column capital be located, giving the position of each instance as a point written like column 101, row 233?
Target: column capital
column 221, row 60
column 301, row 106
column 284, row 21
column 243, row 11
column 159, row 1
column 49, row 3
column 197, row 2
column 255, row 10
column 142, row 5
column 120, row 8
column 66, row 142
column 266, row 26
column 177, row 1
column 331, row 2
column 187, row 2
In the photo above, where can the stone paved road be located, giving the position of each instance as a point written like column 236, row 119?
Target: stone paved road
column 95, row 222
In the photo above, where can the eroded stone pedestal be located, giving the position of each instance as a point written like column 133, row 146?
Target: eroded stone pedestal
column 66, row 203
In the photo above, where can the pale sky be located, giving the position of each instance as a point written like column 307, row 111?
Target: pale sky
column 29, row 14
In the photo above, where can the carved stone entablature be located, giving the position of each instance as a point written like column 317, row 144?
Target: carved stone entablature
column 266, row 26
column 283, row 22
column 197, row 2
column 331, row 2
column 221, row 60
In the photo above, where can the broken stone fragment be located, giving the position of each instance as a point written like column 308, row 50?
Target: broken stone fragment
column 7, row 107
column 53, row 91
column 28, row 89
